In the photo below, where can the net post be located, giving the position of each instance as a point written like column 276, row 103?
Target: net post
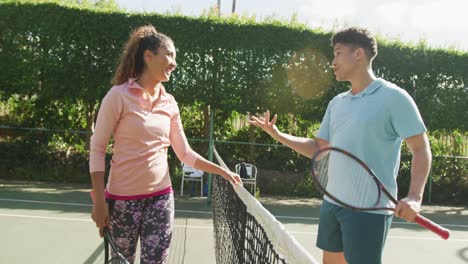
column 210, row 151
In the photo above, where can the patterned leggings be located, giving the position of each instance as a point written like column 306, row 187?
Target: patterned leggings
column 150, row 219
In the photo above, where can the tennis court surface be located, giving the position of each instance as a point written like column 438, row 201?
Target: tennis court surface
column 50, row 223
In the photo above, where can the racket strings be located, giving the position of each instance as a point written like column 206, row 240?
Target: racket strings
column 364, row 190
column 346, row 180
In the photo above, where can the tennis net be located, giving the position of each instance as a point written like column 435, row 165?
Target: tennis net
column 245, row 232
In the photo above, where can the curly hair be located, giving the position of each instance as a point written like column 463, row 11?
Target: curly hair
column 359, row 37
column 131, row 63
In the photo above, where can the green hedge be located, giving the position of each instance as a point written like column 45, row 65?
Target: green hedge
column 58, row 56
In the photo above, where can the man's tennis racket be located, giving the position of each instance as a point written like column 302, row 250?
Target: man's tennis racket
column 357, row 186
column 119, row 258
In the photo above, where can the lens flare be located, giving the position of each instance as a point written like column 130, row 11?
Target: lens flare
column 309, row 73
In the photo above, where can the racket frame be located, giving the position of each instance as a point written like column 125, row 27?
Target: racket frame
column 380, row 186
column 111, row 242
column 419, row 219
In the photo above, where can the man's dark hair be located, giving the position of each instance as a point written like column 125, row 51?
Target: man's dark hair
column 358, row 37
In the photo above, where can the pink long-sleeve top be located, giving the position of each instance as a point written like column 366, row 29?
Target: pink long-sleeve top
column 142, row 133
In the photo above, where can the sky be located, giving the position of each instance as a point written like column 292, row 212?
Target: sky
column 440, row 23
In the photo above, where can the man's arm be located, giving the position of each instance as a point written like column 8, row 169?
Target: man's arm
column 420, row 167
column 420, row 164
column 305, row 146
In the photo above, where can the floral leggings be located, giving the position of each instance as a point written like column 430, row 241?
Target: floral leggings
column 150, row 219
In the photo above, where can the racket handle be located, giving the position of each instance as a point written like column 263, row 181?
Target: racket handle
column 426, row 223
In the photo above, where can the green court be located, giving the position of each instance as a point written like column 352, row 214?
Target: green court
column 48, row 223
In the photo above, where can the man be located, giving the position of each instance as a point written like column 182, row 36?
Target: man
column 370, row 121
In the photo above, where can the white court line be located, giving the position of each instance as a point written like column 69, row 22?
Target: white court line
column 393, row 222
column 394, row 237
column 297, row 217
column 210, row 227
column 43, row 202
column 409, row 223
column 429, row 238
column 84, row 220
column 206, row 212
column 194, row 212
column 195, row 227
column 86, row 205
column 47, row 217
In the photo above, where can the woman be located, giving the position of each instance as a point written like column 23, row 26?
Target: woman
column 144, row 121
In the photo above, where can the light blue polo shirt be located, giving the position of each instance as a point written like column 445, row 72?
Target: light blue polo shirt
column 371, row 125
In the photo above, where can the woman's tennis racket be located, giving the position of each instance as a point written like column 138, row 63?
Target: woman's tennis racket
column 348, row 181
column 119, row 258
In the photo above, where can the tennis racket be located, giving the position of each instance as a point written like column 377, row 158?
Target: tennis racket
column 348, row 181
column 119, row 258
column 108, row 240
